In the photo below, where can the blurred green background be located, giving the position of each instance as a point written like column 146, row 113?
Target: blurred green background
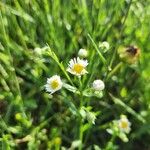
column 26, row 26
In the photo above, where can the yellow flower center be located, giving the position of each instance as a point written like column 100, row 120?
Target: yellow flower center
column 78, row 68
column 124, row 124
column 54, row 84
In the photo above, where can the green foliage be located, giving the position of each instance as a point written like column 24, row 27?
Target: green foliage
column 37, row 40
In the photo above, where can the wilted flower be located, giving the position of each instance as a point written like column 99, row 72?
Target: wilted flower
column 104, row 45
column 129, row 54
column 83, row 53
column 98, row 85
column 77, row 66
column 124, row 124
column 53, row 84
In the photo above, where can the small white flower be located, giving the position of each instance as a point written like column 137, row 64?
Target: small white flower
column 124, row 124
column 104, row 45
column 53, row 84
column 83, row 53
column 98, row 85
column 77, row 66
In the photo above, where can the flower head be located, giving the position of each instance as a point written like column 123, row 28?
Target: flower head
column 77, row 66
column 83, row 53
column 124, row 124
column 53, row 84
column 98, row 85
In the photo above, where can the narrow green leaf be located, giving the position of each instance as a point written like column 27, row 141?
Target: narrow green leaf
column 96, row 48
column 129, row 109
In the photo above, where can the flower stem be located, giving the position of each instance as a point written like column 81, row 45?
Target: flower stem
column 80, row 122
column 81, row 134
column 56, row 59
column 98, row 51
column 110, row 143
column 115, row 69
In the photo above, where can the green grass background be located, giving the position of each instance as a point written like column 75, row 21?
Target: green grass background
column 64, row 25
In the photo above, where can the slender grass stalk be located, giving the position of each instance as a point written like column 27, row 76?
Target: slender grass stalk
column 85, row 14
column 3, row 125
column 98, row 51
column 127, row 108
column 122, row 28
column 81, row 123
column 12, row 74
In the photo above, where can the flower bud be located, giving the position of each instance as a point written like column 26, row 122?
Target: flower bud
column 104, row 45
column 18, row 116
column 83, row 53
column 98, row 85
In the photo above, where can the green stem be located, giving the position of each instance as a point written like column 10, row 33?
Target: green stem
column 110, row 143
column 96, row 48
column 55, row 58
column 115, row 69
column 81, row 123
column 81, row 135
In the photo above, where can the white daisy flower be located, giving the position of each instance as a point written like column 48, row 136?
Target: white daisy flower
column 124, row 124
column 83, row 53
column 53, row 84
column 77, row 66
column 98, row 85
